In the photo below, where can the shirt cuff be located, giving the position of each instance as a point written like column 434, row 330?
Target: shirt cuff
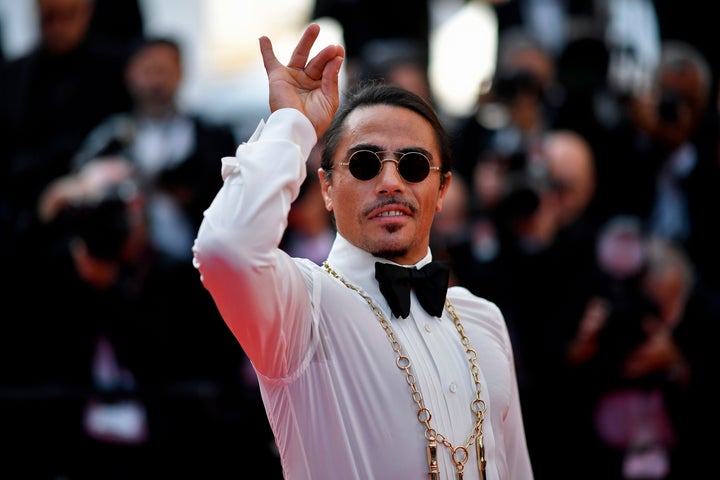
column 285, row 124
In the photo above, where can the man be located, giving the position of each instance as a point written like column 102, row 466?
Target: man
column 50, row 98
column 172, row 150
column 351, row 389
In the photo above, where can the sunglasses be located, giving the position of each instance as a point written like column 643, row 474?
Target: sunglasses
column 414, row 167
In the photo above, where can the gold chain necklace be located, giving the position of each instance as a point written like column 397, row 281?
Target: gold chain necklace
column 459, row 454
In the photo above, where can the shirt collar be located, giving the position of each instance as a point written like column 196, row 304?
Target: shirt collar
column 358, row 266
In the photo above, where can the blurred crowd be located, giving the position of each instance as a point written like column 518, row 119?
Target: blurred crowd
column 115, row 361
column 585, row 181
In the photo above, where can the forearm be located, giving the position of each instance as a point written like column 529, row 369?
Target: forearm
column 249, row 213
column 236, row 250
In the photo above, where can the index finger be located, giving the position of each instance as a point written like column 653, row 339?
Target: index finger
column 270, row 61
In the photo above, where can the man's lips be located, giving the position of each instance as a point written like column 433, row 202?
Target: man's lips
column 391, row 211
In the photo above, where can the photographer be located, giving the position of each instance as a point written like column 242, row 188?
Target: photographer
column 630, row 369
column 127, row 376
column 514, row 112
column 663, row 163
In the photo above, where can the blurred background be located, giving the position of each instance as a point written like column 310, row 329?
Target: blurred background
column 225, row 79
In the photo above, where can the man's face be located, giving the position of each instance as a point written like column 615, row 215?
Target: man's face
column 153, row 77
column 361, row 207
column 64, row 23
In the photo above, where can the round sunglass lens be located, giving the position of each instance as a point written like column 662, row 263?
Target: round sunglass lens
column 414, row 167
column 364, row 165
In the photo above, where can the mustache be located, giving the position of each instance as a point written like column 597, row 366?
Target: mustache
column 394, row 200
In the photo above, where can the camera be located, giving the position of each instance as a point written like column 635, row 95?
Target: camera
column 624, row 329
column 668, row 106
column 524, row 185
column 103, row 223
column 510, row 84
column 621, row 257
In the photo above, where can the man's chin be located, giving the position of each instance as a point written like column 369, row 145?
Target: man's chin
column 393, row 248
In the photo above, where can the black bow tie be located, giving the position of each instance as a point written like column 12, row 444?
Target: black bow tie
column 430, row 284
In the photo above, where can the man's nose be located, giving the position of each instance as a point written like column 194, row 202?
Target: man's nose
column 389, row 177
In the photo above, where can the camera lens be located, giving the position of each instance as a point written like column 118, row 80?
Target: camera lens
column 668, row 106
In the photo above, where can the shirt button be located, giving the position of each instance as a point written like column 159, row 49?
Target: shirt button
column 427, row 327
column 453, row 387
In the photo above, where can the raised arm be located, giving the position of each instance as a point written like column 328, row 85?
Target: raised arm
column 259, row 291
column 309, row 85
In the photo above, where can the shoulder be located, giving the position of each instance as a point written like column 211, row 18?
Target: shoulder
column 208, row 129
column 483, row 320
column 461, row 295
column 476, row 309
column 119, row 125
column 16, row 72
column 207, row 124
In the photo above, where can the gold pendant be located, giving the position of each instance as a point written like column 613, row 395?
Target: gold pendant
column 480, row 451
column 434, row 472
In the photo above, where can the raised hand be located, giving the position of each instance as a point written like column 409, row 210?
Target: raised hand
column 308, row 85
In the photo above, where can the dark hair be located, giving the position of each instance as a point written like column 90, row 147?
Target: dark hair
column 141, row 44
column 376, row 92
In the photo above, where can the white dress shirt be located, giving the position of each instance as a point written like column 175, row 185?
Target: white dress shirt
column 338, row 405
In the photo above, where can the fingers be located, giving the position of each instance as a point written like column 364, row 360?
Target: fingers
column 300, row 55
column 309, row 85
column 299, row 59
column 315, row 69
column 330, row 75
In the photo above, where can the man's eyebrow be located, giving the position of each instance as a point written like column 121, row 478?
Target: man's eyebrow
column 376, row 148
column 366, row 146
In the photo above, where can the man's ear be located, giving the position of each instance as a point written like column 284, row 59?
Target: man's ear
column 444, row 186
column 325, row 179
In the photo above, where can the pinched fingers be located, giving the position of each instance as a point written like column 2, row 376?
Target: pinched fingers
column 300, row 54
column 309, row 85
column 316, row 66
column 312, row 69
